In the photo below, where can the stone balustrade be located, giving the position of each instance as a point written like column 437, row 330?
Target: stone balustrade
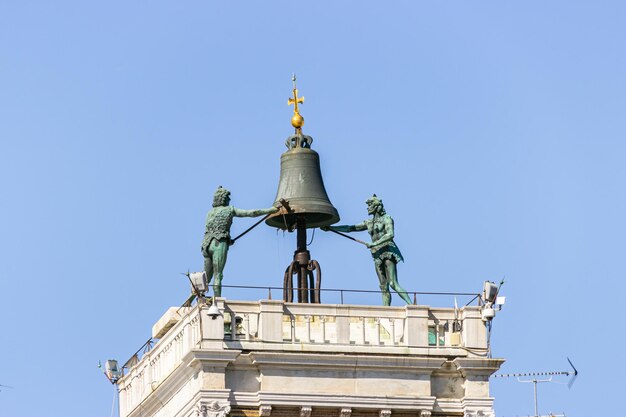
column 333, row 324
column 157, row 364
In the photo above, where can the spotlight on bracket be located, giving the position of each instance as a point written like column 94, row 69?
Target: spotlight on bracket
column 490, row 291
column 198, row 282
column 111, row 371
column 492, row 301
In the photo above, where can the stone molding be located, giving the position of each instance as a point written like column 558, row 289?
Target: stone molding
column 213, row 409
column 477, row 366
column 400, row 350
column 478, row 407
column 322, row 361
column 213, row 357
column 343, row 401
column 245, row 399
column 449, row 405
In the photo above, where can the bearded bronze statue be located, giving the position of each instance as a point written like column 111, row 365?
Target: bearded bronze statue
column 217, row 238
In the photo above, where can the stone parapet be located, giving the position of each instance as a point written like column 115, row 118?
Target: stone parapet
column 270, row 356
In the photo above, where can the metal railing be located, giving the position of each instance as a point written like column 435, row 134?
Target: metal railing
column 341, row 293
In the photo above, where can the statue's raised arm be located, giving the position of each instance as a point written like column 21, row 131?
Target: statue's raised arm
column 347, row 228
column 217, row 239
column 254, row 212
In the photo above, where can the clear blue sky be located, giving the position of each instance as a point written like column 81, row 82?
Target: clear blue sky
column 493, row 131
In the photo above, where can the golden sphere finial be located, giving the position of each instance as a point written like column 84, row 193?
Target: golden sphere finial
column 297, row 121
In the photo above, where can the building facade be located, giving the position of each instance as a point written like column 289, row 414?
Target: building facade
column 275, row 359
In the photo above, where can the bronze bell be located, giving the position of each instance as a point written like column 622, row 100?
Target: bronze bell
column 302, row 186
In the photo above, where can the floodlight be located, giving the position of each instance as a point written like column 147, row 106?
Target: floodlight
column 111, row 371
column 199, row 281
column 490, row 291
column 500, row 300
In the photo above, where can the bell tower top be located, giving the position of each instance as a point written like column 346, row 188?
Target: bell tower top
column 297, row 121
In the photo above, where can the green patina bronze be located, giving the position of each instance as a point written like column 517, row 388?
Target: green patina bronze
column 384, row 250
column 217, row 235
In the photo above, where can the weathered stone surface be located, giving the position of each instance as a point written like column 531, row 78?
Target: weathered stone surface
column 167, row 321
column 312, row 360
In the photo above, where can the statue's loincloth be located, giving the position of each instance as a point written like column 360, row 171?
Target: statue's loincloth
column 389, row 251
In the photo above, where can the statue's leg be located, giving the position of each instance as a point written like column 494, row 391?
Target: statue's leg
column 208, row 268
column 220, row 252
column 208, row 261
column 392, row 273
column 384, row 283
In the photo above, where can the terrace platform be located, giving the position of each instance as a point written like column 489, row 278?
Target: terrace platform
column 271, row 358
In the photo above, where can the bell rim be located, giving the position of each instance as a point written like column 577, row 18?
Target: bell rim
column 277, row 220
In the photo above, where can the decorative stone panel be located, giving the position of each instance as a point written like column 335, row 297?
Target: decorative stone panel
column 213, row 409
column 479, row 413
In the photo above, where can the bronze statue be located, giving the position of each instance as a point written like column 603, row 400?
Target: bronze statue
column 384, row 250
column 217, row 235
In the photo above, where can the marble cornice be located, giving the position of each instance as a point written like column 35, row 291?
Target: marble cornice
column 477, row 366
column 347, row 401
column 215, row 357
column 337, row 362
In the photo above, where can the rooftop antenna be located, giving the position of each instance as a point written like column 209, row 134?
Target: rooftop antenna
column 5, row 386
column 535, row 380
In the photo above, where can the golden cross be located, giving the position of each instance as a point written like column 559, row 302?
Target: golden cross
column 295, row 100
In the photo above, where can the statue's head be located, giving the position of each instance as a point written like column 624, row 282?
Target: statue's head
column 375, row 205
column 221, row 197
